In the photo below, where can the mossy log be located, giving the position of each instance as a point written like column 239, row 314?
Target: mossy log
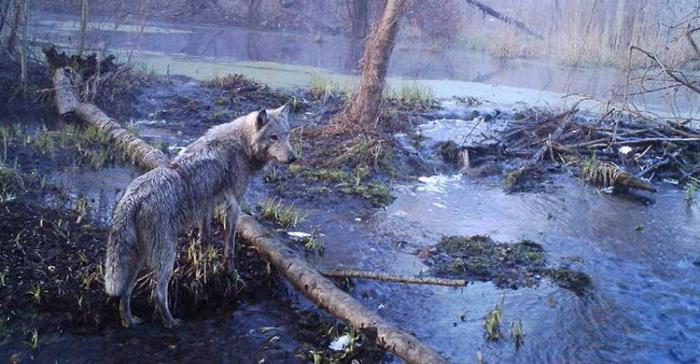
column 291, row 265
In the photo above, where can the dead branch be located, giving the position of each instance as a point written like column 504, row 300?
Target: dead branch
column 673, row 74
column 377, row 276
column 512, row 178
column 504, row 18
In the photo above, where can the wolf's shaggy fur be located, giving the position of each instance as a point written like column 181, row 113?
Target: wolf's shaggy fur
column 166, row 200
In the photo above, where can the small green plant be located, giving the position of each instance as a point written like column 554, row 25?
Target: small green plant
column 322, row 87
column 690, row 191
column 33, row 341
column 81, row 207
column 411, row 95
column 313, row 242
column 274, row 210
column 599, row 173
column 492, row 324
column 316, row 356
column 35, row 293
column 2, row 278
column 44, row 142
column 517, row 334
column 132, row 129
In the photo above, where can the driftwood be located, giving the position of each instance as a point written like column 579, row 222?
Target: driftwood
column 291, row 265
column 503, row 17
column 377, row 276
column 609, row 152
column 513, row 178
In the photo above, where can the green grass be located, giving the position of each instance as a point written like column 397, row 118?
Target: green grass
column 313, row 243
column 411, row 95
column 33, row 341
column 35, row 293
column 690, row 191
column 322, row 87
column 274, row 210
column 93, row 147
column 12, row 184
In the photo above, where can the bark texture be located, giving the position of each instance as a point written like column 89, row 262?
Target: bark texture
column 363, row 107
column 329, row 297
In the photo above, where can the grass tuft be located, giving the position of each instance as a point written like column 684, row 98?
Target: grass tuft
column 274, row 210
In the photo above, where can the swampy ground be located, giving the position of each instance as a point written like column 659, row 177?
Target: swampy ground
column 54, row 233
column 563, row 270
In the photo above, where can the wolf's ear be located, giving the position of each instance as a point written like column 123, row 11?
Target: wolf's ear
column 261, row 119
column 284, row 109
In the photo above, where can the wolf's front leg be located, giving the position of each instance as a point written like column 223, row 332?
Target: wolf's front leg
column 233, row 209
column 205, row 227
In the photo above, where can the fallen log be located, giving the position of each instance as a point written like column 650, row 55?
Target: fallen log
column 137, row 151
column 325, row 294
column 292, row 266
column 378, row 276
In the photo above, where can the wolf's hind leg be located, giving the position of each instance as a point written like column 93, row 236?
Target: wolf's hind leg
column 233, row 209
column 205, row 227
column 163, row 273
column 127, row 318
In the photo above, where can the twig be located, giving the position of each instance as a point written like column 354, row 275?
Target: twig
column 377, row 276
column 671, row 73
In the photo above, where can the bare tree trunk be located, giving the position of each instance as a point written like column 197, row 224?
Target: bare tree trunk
column 12, row 20
column 624, row 24
column 84, row 13
column 253, row 6
column 24, row 48
column 363, row 108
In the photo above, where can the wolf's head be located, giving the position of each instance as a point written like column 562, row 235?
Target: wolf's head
column 271, row 139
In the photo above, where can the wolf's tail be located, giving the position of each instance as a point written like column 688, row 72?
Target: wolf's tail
column 122, row 253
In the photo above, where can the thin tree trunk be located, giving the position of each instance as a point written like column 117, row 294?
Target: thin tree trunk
column 359, row 17
column 363, row 108
column 12, row 20
column 24, row 47
column 84, row 13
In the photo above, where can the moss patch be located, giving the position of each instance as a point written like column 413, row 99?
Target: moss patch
column 480, row 258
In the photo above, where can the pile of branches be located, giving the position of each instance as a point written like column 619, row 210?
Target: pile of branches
column 609, row 152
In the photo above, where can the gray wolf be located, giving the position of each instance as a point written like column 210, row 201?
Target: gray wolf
column 159, row 204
